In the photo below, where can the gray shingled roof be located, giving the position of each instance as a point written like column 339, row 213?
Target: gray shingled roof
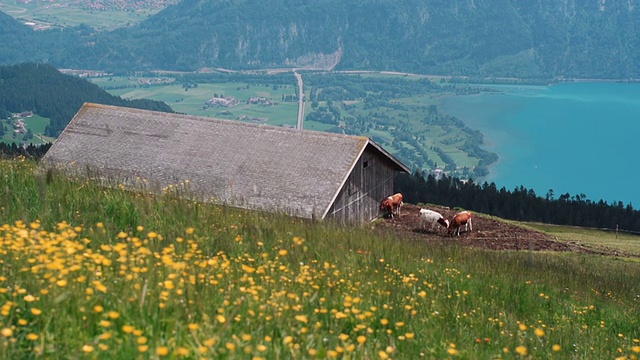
column 298, row 172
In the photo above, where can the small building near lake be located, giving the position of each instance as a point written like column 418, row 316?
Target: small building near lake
column 306, row 174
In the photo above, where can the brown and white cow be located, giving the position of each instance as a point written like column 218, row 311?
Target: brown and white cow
column 392, row 204
column 430, row 218
column 460, row 219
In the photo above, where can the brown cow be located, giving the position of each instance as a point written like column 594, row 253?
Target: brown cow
column 392, row 205
column 461, row 218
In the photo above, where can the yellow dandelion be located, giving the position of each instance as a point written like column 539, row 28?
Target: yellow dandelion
column 452, row 351
column 32, row 337
column 383, row 355
column 128, row 329
column 87, row 348
column 361, row 339
column 36, row 311
column 122, row 235
column 105, row 323
column 6, row 332
column 193, row 327
column 182, row 351
column 152, row 235
column 230, row 346
column 142, row 340
column 332, row 354
column 522, row 350
column 409, row 335
column 248, row 269
column 113, row 315
column 539, row 332
column 556, row 347
column 103, row 347
column 143, row 348
column 61, row 282
column 29, row 298
column 287, row 340
column 283, row 252
column 98, row 308
column 312, row 352
column 209, row 342
column 190, row 231
column 384, row 321
column 246, row 337
column 105, row 336
column 162, row 351
column 523, row 327
column 343, row 337
column 261, row 348
column 221, row 319
column 302, row 318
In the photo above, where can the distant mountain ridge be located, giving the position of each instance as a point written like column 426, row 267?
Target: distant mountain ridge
column 495, row 38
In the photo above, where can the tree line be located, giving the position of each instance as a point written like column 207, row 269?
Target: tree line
column 520, row 204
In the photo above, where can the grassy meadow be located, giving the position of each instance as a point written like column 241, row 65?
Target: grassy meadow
column 68, row 14
column 97, row 273
column 36, row 123
column 191, row 101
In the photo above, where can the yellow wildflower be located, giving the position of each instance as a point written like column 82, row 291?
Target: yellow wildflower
column 162, row 351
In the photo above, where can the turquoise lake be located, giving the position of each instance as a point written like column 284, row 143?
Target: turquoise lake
column 576, row 138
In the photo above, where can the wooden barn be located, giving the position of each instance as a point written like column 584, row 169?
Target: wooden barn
column 302, row 173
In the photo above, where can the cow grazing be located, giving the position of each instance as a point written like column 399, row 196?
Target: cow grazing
column 432, row 219
column 460, row 219
column 392, row 204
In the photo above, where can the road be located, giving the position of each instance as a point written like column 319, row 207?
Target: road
column 300, row 101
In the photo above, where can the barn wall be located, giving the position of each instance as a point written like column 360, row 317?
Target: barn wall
column 370, row 181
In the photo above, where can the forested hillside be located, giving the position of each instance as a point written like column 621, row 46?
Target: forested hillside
column 45, row 91
column 497, row 38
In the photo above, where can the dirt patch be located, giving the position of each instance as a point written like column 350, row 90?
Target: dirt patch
column 488, row 233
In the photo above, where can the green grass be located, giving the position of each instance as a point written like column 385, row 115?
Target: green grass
column 598, row 238
column 67, row 15
column 36, row 123
column 191, row 101
column 91, row 272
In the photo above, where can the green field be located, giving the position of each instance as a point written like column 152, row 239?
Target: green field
column 191, row 100
column 95, row 273
column 47, row 15
column 35, row 123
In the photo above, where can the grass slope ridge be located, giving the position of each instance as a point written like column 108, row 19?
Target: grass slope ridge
column 121, row 274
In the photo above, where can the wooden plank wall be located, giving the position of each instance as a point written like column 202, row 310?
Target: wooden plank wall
column 370, row 181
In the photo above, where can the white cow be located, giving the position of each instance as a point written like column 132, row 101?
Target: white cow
column 432, row 218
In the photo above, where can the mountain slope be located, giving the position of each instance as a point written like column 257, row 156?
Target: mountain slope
column 520, row 38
